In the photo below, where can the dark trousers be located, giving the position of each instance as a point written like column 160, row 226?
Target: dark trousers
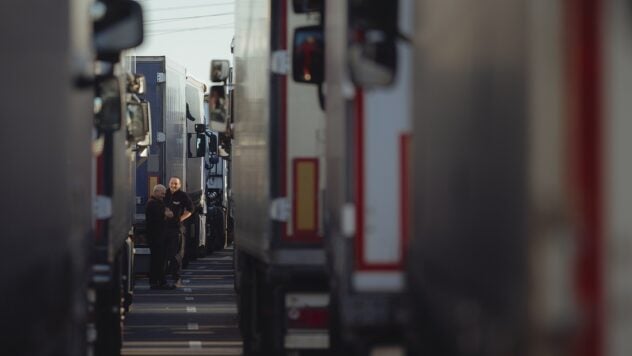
column 175, row 251
column 158, row 260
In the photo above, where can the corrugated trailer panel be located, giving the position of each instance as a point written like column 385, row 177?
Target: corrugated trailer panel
column 279, row 126
column 149, row 169
column 175, row 122
column 252, row 160
column 166, row 157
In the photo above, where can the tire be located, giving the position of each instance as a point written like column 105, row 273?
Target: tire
column 216, row 239
column 109, row 321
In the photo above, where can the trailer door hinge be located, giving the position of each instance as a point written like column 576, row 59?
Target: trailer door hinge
column 280, row 63
column 102, row 207
column 280, row 209
column 161, row 77
column 348, row 220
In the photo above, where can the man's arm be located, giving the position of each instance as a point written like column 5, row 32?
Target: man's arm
column 188, row 207
column 185, row 215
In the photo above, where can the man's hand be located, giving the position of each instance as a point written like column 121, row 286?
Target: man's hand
column 168, row 213
column 185, row 215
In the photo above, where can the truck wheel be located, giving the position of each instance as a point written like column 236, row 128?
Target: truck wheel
column 217, row 237
column 109, row 321
column 247, row 307
column 214, row 225
column 128, row 275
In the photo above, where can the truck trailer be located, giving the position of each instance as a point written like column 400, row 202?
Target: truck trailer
column 168, row 155
column 47, row 304
column 196, row 167
column 368, row 135
column 522, row 197
column 278, row 185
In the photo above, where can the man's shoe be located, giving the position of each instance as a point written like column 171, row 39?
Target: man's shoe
column 167, row 287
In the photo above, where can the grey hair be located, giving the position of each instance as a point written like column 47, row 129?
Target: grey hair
column 158, row 187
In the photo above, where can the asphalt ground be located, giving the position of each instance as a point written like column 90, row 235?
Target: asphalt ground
column 198, row 319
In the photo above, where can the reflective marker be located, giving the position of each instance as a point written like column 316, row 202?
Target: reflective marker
column 188, row 290
column 191, row 310
column 193, row 326
column 195, row 344
column 188, row 299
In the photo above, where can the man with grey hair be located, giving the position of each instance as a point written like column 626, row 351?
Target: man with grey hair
column 156, row 216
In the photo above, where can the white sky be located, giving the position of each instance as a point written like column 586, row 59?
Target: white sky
column 191, row 32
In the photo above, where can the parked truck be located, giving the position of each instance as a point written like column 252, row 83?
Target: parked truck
column 168, row 155
column 120, row 130
column 218, row 108
column 196, row 168
column 522, row 178
column 45, row 310
column 368, row 115
column 278, row 170
column 45, row 283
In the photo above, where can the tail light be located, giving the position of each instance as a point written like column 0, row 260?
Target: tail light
column 307, row 311
column 308, row 318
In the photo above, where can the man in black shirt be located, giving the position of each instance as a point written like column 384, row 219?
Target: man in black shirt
column 156, row 215
column 179, row 203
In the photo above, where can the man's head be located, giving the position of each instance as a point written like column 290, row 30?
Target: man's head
column 174, row 184
column 159, row 191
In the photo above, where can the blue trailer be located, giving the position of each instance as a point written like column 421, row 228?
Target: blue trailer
column 166, row 156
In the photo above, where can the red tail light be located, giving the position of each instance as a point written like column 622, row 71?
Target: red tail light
column 307, row 318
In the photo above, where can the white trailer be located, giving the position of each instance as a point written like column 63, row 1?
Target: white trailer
column 195, row 171
column 278, row 185
column 368, row 133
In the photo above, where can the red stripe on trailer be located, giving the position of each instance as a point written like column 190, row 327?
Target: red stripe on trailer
column 361, row 263
column 308, row 235
column 359, row 174
column 283, row 116
column 585, row 84
column 404, row 166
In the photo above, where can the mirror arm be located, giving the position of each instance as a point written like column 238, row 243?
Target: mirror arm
column 321, row 96
column 402, row 37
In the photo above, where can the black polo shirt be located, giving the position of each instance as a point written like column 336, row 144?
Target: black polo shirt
column 178, row 202
column 154, row 217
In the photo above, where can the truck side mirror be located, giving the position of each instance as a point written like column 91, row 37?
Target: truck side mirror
column 147, row 124
column 136, row 129
column 308, row 55
column 305, row 6
column 220, row 70
column 136, row 84
column 119, row 27
column 217, row 108
column 108, row 104
column 373, row 47
column 196, row 144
